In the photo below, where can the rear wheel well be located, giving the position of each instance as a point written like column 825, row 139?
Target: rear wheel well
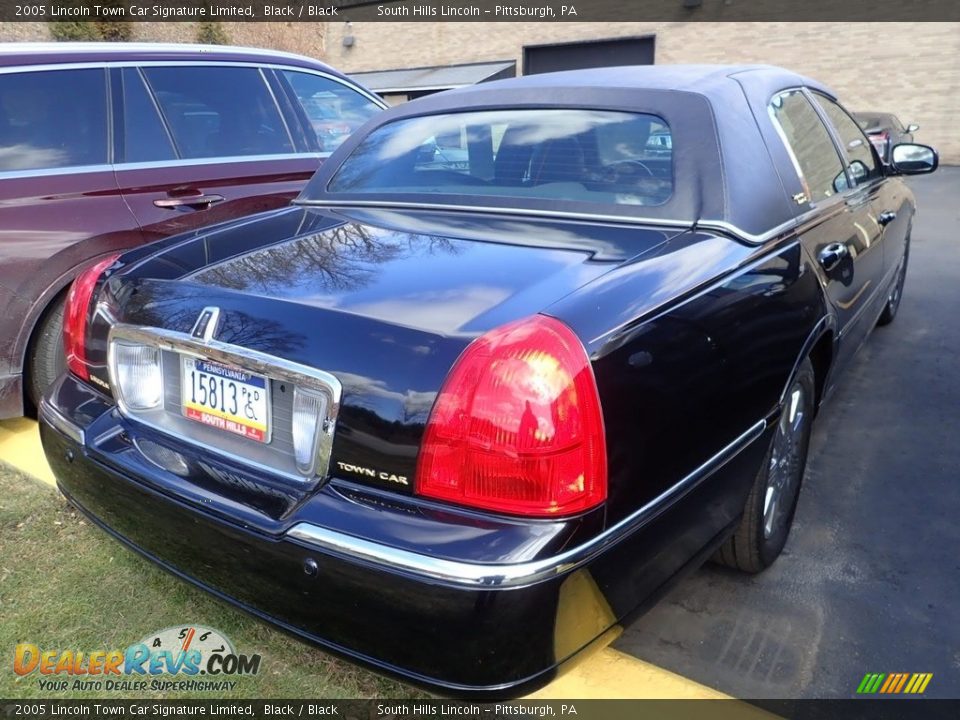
column 821, row 356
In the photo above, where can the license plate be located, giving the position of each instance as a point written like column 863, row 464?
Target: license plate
column 226, row 398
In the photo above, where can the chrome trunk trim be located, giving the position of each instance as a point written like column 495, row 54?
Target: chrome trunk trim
column 274, row 368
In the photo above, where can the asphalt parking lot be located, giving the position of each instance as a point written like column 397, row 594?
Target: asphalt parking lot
column 870, row 578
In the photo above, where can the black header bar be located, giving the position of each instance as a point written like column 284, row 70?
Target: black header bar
column 914, row 708
column 480, row 10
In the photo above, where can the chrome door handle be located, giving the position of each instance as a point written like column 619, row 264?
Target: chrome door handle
column 194, row 201
column 832, row 255
column 887, row 217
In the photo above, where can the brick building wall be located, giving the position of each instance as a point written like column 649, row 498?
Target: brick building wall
column 304, row 38
column 911, row 69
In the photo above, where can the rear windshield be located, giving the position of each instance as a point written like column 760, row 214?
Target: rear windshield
column 584, row 156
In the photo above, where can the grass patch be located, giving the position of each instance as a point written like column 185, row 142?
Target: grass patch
column 66, row 585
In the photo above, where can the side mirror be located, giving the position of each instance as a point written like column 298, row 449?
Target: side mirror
column 911, row 159
column 859, row 170
column 840, row 182
column 912, row 128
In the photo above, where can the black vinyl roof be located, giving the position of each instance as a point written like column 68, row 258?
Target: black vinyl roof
column 710, row 80
column 730, row 167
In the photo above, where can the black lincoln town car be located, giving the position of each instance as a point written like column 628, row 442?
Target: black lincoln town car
column 456, row 415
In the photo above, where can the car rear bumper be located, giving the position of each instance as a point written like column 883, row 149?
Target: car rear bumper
column 455, row 635
column 455, row 626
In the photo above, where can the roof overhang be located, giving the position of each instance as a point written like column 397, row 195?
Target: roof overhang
column 440, row 77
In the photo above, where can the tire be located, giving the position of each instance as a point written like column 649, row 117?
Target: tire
column 46, row 360
column 764, row 528
column 896, row 292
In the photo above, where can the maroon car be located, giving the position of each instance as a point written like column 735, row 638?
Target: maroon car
column 105, row 147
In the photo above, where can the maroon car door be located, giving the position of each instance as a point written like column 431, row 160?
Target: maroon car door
column 60, row 207
column 202, row 144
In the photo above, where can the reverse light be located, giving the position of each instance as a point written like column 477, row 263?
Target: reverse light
column 138, row 375
column 517, row 427
column 309, row 409
column 76, row 313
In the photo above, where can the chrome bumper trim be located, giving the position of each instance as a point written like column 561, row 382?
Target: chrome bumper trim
column 484, row 575
column 59, row 422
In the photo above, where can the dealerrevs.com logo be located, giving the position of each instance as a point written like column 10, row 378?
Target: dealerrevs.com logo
column 184, row 658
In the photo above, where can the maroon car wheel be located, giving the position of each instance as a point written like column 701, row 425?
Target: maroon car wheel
column 46, row 359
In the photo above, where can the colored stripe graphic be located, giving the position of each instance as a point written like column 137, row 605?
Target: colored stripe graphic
column 903, row 681
column 894, row 683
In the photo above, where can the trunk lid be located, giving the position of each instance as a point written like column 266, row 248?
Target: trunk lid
column 384, row 301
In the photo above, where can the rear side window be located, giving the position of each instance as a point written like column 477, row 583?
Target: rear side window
column 810, row 145
column 144, row 136
column 219, row 111
column 859, row 152
column 593, row 156
column 332, row 109
column 53, row 119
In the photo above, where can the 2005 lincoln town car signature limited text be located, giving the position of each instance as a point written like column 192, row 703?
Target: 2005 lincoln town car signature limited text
column 517, row 357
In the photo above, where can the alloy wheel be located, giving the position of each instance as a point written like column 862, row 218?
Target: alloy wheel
column 783, row 475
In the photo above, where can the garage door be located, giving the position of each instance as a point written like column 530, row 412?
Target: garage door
column 600, row 53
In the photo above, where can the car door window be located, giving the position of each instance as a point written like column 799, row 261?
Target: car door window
column 863, row 164
column 145, row 137
column 53, row 119
column 332, row 109
column 806, row 137
column 219, row 111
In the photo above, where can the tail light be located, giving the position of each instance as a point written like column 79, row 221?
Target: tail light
column 517, row 427
column 880, row 139
column 76, row 315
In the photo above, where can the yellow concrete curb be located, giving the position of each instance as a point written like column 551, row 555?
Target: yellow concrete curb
column 609, row 673
column 20, row 447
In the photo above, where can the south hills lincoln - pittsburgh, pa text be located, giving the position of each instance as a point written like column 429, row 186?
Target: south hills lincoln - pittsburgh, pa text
column 502, row 11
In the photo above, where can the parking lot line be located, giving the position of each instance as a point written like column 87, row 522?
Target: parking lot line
column 603, row 673
column 20, row 447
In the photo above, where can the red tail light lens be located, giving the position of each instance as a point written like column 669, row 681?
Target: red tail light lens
column 75, row 316
column 517, row 427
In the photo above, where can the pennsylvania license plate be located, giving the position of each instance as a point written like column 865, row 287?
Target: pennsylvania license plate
column 225, row 397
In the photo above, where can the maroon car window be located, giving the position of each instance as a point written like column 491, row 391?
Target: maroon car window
column 219, row 111
column 53, row 119
column 333, row 109
column 144, row 136
column 810, row 144
column 594, row 156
